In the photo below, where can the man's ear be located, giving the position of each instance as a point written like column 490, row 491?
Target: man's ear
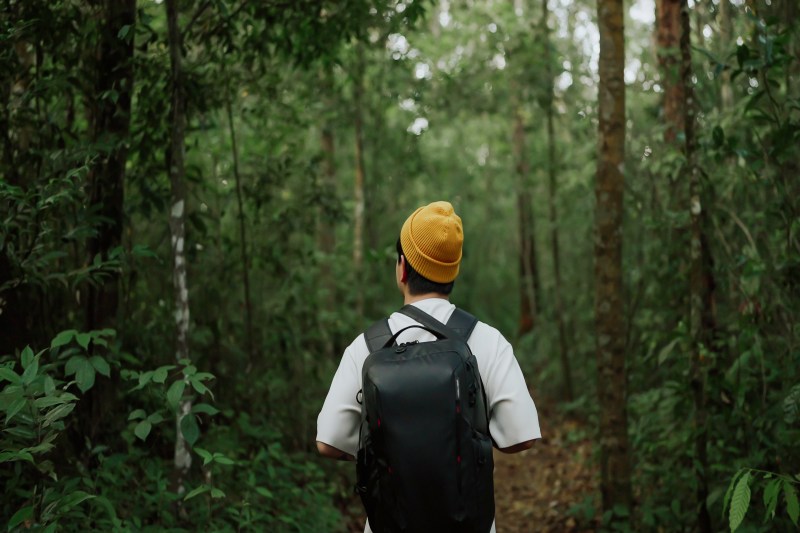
column 404, row 269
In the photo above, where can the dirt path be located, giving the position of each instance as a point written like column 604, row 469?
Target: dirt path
column 536, row 490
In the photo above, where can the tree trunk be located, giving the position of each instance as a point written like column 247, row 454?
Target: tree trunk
column 248, row 304
column 566, row 369
column 726, row 39
column 182, row 456
column 528, row 275
column 111, row 120
column 326, row 235
column 668, row 33
column 358, row 215
column 701, row 280
column 615, row 467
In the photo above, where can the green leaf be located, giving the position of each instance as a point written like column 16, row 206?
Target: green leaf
column 57, row 413
column 142, row 429
column 190, row 429
column 205, row 454
column 20, row 516
column 6, row 457
column 205, row 408
column 26, row 356
column 144, row 379
column 155, row 418
column 9, row 375
column 49, row 385
column 73, row 364
column 740, row 501
column 30, row 372
column 63, row 338
column 198, row 386
column 666, row 351
column 728, row 493
column 792, row 505
column 161, row 373
column 216, row 493
column 101, row 365
column 83, row 340
column 15, row 407
column 137, row 414
column 221, row 459
column 199, row 490
column 175, row 393
column 123, row 31
column 85, row 375
column 74, row 498
column 771, row 498
column 265, row 492
column 49, row 401
column 190, row 370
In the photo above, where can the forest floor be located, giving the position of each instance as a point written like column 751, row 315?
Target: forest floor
column 549, row 488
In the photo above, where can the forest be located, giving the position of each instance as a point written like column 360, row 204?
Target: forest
column 199, row 205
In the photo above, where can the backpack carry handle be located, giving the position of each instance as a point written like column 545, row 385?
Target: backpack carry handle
column 393, row 338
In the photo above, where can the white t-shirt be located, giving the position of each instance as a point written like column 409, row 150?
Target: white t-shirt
column 512, row 413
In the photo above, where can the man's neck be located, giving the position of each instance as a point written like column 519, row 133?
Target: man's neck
column 411, row 298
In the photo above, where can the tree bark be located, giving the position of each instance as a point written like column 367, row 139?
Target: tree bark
column 701, row 280
column 668, row 23
column 327, row 237
column 615, row 467
column 566, row 369
column 358, row 215
column 726, row 39
column 182, row 456
column 528, row 273
column 248, row 304
column 111, row 120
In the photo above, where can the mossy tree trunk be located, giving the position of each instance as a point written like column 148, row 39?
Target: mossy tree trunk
column 615, row 469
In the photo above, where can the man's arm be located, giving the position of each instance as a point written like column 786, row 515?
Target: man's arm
column 326, row 450
column 516, row 448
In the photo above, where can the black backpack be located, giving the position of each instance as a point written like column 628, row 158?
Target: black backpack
column 425, row 455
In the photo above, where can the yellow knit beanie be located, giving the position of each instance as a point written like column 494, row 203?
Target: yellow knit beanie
column 431, row 239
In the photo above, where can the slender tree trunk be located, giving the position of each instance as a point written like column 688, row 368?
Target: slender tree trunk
column 326, row 235
column 566, row 369
column 615, row 467
column 110, row 125
column 726, row 40
column 701, row 280
column 248, row 304
column 668, row 33
column 528, row 274
column 182, row 457
column 358, row 215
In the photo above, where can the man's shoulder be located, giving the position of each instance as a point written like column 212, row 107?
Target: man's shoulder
column 487, row 332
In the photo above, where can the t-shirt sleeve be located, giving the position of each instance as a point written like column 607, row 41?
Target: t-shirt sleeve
column 338, row 421
column 513, row 416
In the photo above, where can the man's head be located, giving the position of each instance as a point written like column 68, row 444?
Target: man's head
column 429, row 250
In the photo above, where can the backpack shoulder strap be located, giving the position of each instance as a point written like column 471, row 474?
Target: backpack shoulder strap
column 377, row 335
column 460, row 324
